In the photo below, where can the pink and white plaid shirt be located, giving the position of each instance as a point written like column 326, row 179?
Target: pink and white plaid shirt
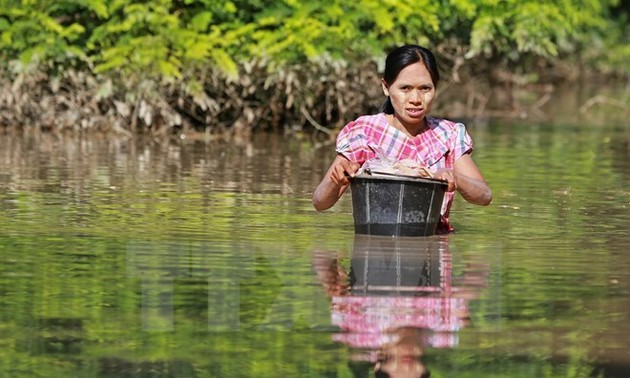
column 437, row 147
column 367, row 320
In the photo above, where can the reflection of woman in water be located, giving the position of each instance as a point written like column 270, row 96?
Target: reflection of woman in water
column 402, row 357
column 396, row 299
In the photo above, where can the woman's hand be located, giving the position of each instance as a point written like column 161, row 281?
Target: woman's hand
column 342, row 169
column 447, row 175
column 466, row 178
column 334, row 183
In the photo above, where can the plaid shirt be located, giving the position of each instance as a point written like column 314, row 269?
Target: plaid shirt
column 368, row 319
column 437, row 147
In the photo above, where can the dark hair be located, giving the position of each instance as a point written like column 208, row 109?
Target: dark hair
column 402, row 57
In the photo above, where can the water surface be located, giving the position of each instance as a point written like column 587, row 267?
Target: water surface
column 125, row 258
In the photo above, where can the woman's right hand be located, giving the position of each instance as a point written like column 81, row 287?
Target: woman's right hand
column 334, row 183
column 342, row 169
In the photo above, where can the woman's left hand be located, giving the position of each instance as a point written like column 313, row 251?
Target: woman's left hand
column 447, row 175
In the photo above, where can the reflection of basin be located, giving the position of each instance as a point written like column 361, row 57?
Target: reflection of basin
column 395, row 283
column 404, row 266
column 396, row 205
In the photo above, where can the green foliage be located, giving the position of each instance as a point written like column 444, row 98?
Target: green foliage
column 543, row 28
column 34, row 32
column 163, row 38
column 206, row 64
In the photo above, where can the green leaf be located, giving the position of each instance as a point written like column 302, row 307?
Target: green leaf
column 4, row 24
column 110, row 64
column 168, row 69
column 225, row 63
column 201, row 21
column 198, row 51
column 6, row 38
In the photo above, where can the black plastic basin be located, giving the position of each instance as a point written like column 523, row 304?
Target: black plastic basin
column 396, row 205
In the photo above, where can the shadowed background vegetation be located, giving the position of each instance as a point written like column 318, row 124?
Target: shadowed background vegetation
column 171, row 67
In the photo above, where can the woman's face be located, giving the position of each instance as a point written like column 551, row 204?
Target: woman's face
column 403, row 358
column 411, row 95
column 403, row 363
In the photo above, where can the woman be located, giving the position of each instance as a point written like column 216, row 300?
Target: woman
column 404, row 131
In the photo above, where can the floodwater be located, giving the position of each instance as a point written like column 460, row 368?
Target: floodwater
column 122, row 258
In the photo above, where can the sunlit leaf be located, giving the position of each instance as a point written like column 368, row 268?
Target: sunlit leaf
column 201, row 20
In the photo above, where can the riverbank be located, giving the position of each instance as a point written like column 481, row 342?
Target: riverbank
column 315, row 99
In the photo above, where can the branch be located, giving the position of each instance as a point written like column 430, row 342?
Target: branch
column 313, row 122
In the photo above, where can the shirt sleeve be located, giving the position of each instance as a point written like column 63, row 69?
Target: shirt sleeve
column 352, row 144
column 462, row 141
